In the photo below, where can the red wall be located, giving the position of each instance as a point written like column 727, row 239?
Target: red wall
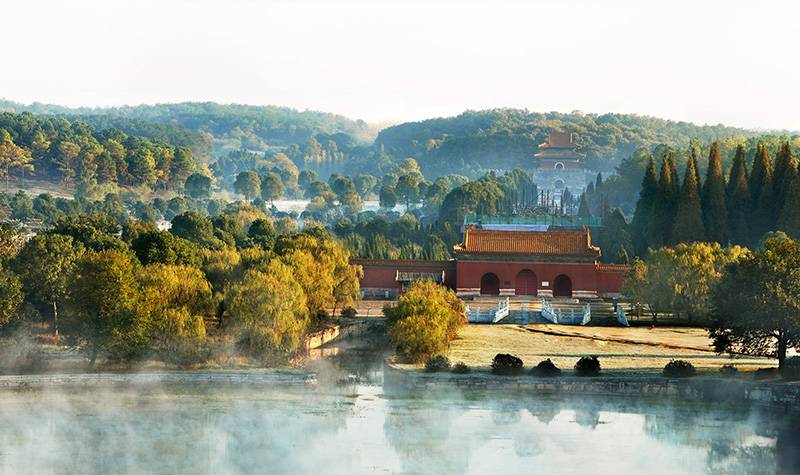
column 380, row 274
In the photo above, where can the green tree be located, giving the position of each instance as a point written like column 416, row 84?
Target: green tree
column 689, row 217
column 195, row 228
column 761, row 192
column 163, row 247
column 757, row 302
column 387, row 197
column 715, row 213
column 665, row 207
column 198, row 186
column 739, row 198
column 45, row 266
column 247, row 184
column 789, row 217
column 435, row 249
column 424, row 320
column 271, row 187
column 615, row 240
column 583, row 210
column 645, row 207
column 408, row 188
column 262, row 233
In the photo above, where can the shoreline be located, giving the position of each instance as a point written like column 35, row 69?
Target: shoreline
column 778, row 394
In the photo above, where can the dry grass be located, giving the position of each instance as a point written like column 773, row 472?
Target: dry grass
column 621, row 350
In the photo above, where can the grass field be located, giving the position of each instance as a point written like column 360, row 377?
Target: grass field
column 620, row 350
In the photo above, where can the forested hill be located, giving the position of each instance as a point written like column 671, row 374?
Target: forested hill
column 252, row 127
column 507, row 138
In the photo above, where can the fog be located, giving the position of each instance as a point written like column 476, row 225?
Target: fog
column 345, row 423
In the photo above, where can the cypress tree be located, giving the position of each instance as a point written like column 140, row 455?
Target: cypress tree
column 715, row 213
column 693, row 155
column 739, row 199
column 783, row 162
column 583, row 210
column 789, row 218
column 761, row 192
column 643, row 216
column 666, row 202
column 689, row 218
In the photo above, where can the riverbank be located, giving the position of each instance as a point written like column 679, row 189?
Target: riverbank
column 399, row 379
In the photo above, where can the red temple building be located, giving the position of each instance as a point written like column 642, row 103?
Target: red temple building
column 558, row 166
column 503, row 262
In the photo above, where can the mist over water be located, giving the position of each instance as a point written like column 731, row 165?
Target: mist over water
column 353, row 427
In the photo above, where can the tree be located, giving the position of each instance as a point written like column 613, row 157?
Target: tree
column 365, row 184
column 11, row 296
column 45, row 266
column 761, row 194
column 757, row 302
column 688, row 225
column 181, row 166
column 715, row 213
column 247, row 184
column 163, row 247
column 615, row 239
column 789, row 217
column 408, row 187
column 666, row 203
column 424, row 320
column 271, row 187
column 269, row 309
column 12, row 156
column 262, row 233
column 104, row 306
column 198, row 186
column 643, row 217
column 583, row 210
column 679, row 279
column 195, row 228
column 739, row 198
column 435, row 249
column 387, row 197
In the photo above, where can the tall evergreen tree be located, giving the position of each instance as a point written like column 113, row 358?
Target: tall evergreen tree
column 583, row 210
column 761, row 192
column 715, row 213
column 666, row 203
column 689, row 218
column 789, row 218
column 780, row 178
column 739, row 199
column 643, row 216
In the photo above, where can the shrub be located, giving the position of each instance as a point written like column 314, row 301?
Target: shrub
column 506, row 364
column 791, row 368
column 437, row 363
column 587, row 366
column 424, row 320
column 766, row 373
column 349, row 312
column 679, row 369
column 461, row 368
column 546, row 369
column 728, row 370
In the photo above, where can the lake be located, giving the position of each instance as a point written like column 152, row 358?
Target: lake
column 347, row 424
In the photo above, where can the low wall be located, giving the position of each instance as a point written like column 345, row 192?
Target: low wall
column 281, row 378
column 397, row 380
column 340, row 331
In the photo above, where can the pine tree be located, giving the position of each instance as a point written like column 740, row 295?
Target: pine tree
column 666, row 203
column 689, row 218
column 761, row 192
column 715, row 213
column 643, row 216
column 739, row 199
column 789, row 218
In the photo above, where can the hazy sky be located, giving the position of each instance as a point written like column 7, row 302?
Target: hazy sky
column 703, row 61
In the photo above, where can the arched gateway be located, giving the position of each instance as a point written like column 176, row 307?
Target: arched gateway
column 562, row 286
column 490, row 284
column 526, row 283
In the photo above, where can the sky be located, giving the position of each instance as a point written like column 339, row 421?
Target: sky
column 708, row 61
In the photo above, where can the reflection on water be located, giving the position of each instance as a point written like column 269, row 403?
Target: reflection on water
column 348, row 426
